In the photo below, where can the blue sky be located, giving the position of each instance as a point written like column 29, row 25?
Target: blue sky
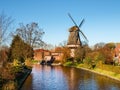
column 102, row 17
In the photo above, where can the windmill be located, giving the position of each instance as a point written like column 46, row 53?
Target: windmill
column 74, row 39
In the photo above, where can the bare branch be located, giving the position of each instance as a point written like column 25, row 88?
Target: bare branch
column 31, row 34
column 5, row 23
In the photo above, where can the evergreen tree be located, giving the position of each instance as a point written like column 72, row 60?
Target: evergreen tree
column 20, row 50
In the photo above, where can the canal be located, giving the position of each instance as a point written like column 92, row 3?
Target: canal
column 66, row 78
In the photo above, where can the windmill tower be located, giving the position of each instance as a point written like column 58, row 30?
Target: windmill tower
column 74, row 40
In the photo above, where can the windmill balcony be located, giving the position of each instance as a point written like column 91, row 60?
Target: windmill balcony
column 73, row 46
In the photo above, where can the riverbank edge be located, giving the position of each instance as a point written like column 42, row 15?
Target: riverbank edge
column 100, row 73
column 96, row 72
column 24, row 78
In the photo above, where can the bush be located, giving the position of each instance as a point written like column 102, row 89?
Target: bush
column 78, row 60
column 11, row 85
column 17, row 66
column 16, row 63
column 28, row 62
column 35, row 61
column 70, row 59
column 87, row 60
column 17, row 69
column 7, row 72
column 93, row 58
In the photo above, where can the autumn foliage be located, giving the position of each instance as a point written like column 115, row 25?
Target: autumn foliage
column 103, row 53
column 66, row 52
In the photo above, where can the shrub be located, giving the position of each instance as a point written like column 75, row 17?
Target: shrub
column 35, row 61
column 16, row 62
column 7, row 73
column 28, row 62
column 11, row 85
column 70, row 59
column 68, row 63
column 17, row 66
column 17, row 69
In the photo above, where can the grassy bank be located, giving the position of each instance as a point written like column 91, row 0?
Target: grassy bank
column 105, row 70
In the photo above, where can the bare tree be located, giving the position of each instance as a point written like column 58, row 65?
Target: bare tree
column 5, row 22
column 63, row 43
column 31, row 34
column 48, row 46
column 99, row 45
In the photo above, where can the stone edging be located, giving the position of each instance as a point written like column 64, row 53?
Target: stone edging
column 23, row 80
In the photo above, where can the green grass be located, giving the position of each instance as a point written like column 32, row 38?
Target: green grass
column 107, row 70
column 108, row 73
column 70, row 64
column 35, row 61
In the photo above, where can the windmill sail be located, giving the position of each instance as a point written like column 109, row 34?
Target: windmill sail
column 74, row 37
column 74, row 40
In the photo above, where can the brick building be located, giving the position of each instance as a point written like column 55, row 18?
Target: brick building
column 41, row 54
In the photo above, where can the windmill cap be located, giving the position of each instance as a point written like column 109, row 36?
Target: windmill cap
column 74, row 28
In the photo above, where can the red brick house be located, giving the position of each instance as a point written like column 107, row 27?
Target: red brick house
column 41, row 54
column 57, row 55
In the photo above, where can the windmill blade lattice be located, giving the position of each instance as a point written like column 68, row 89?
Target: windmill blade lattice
column 84, row 37
column 72, row 19
column 81, row 23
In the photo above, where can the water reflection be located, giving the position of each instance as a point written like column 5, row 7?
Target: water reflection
column 65, row 78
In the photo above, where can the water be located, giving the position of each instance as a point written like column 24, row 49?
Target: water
column 66, row 78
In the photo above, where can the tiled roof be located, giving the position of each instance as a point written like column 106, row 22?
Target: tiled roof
column 41, row 50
